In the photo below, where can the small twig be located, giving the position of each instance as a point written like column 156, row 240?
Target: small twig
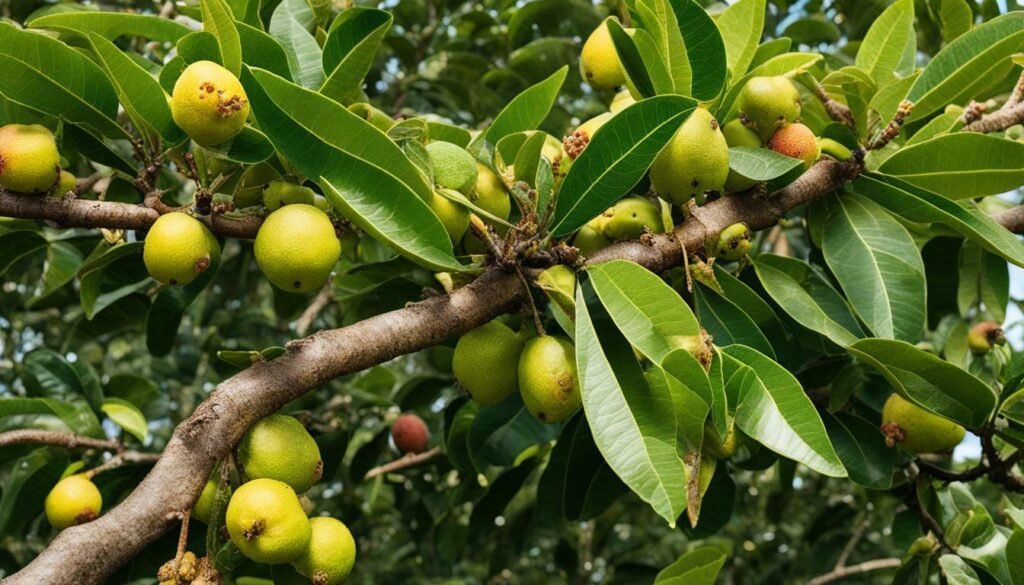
column 893, row 129
column 309, row 315
column 182, row 540
column 865, row 567
column 122, row 459
column 57, row 439
column 1010, row 114
column 404, row 462
column 851, row 544
column 946, row 475
column 837, row 111
column 533, row 306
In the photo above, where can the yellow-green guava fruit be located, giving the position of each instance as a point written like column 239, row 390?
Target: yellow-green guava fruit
column 621, row 101
column 179, row 248
column 296, row 248
column 74, row 500
column 768, row 103
column 65, row 184
column 250, row 188
column 454, row 168
column 599, row 62
column 629, row 217
column 733, row 242
column 590, row 238
column 490, row 194
column 917, row 430
column 736, row 134
column 279, row 447
column 331, row 553
column 29, row 161
column 454, row 217
column 209, row 103
column 277, row 194
column 486, row 362
column 548, row 381
column 695, row 161
column 266, row 522
column 204, row 505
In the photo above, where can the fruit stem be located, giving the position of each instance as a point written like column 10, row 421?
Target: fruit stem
column 533, row 306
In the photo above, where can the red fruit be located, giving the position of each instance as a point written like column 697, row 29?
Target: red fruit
column 797, row 141
column 410, row 434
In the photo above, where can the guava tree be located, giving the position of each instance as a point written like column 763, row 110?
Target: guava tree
column 300, row 291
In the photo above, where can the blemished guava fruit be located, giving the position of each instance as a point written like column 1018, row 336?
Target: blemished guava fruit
column 768, row 103
column 590, row 238
column 559, row 284
column 736, row 134
column 490, row 194
column 331, row 553
column 266, row 522
column 984, row 336
column 454, row 217
column 796, row 141
column 454, row 168
column 548, row 381
column 209, row 103
column 699, row 346
column 621, row 101
column 733, row 242
column 29, row 161
column 65, row 184
column 277, row 194
column 486, row 362
column 410, row 434
column 74, row 500
column 917, row 430
column 599, row 62
column 178, row 248
column 279, row 447
column 630, row 217
column 296, row 248
column 694, row 162
column 204, row 505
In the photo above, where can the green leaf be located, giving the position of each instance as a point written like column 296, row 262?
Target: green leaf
column 127, row 416
column 364, row 174
column 76, row 414
column 140, row 94
column 741, row 25
column 350, row 49
column 954, row 17
column 967, row 65
column 62, row 261
column 111, row 25
column 125, row 262
column 807, row 297
column 250, row 147
column 262, row 50
column 984, row 280
column 633, row 426
column 929, row 381
column 616, row 158
column 243, row 359
column 164, row 317
column 48, row 374
column 27, row 481
column 219, row 21
column 648, row 312
column 890, row 37
column 644, row 70
column 699, row 566
column 18, row 244
column 290, row 26
column 528, row 109
column 960, row 165
column 765, row 166
column 500, row 433
column 577, row 483
column 76, row 89
column 922, row 206
column 658, row 18
column 862, row 450
column 957, row 571
column 878, row 266
column 773, row 409
column 704, row 49
column 727, row 323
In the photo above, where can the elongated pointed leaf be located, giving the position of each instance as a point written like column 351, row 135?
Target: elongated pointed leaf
column 765, row 166
column 961, row 165
column 699, row 566
column 111, row 25
column 807, row 297
column 862, row 450
column 75, row 88
column 363, row 173
column 923, row 206
column 704, row 49
column 528, row 109
column 878, row 266
column 774, row 410
column 741, row 25
column 727, row 323
column 290, row 25
column 967, row 65
column 76, row 414
column 633, row 427
column 635, row 66
column 929, row 381
column 219, row 21
column 351, row 46
column 616, row 159
column 890, row 37
column 127, row 416
column 141, row 95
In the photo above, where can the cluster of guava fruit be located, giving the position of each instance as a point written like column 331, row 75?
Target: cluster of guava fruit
column 30, row 161
column 493, row 361
column 266, row 517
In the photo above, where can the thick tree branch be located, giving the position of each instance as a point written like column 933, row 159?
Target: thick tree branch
column 1011, row 114
column 73, row 212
